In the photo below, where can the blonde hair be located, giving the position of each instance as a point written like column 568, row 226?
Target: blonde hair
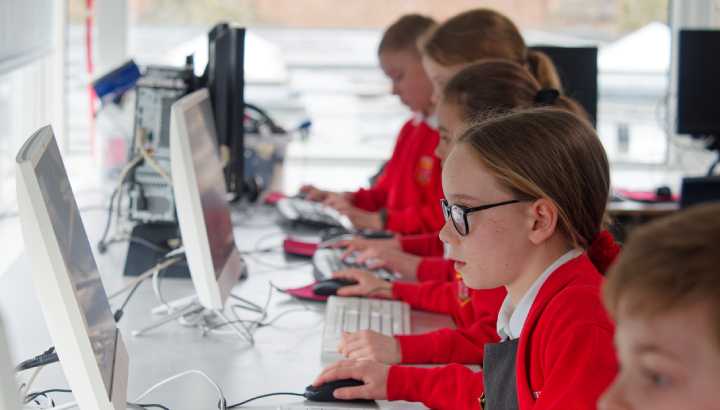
column 495, row 86
column 669, row 263
column 404, row 33
column 483, row 33
column 548, row 153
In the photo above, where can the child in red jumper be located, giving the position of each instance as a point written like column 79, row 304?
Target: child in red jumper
column 526, row 196
column 494, row 84
column 664, row 293
column 405, row 195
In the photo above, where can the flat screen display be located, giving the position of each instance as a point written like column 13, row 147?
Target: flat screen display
column 211, row 183
column 78, row 258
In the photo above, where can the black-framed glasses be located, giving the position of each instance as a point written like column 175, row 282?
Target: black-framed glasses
column 458, row 213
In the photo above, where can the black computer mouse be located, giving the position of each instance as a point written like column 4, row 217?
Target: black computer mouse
column 324, row 392
column 329, row 287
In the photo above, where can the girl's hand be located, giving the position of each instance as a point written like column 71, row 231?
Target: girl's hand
column 367, row 284
column 370, row 345
column 373, row 374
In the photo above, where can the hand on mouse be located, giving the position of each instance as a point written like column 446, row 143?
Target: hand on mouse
column 370, row 345
column 373, row 374
column 367, row 284
column 314, row 194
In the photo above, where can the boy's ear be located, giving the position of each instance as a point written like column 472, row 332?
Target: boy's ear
column 542, row 218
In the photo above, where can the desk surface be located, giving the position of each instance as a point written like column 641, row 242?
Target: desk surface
column 633, row 208
column 285, row 357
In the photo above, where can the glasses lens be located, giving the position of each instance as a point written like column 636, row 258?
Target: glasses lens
column 445, row 208
column 458, row 218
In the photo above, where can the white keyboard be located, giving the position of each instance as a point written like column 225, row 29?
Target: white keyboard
column 329, row 260
column 389, row 317
column 296, row 209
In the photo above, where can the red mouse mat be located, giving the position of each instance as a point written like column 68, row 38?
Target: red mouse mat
column 305, row 293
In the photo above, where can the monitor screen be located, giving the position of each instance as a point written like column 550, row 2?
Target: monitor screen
column 578, row 71
column 698, row 112
column 78, row 258
column 210, row 181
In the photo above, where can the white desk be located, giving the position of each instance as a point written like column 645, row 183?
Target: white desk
column 285, row 357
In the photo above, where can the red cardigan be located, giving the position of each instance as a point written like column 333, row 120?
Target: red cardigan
column 474, row 312
column 565, row 352
column 410, row 186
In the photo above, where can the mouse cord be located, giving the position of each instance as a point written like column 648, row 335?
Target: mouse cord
column 232, row 406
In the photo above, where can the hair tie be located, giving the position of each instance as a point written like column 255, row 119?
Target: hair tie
column 547, row 96
column 603, row 251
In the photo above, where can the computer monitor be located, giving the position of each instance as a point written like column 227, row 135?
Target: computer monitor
column 698, row 83
column 578, row 70
column 71, row 294
column 698, row 190
column 226, row 83
column 8, row 388
column 202, row 207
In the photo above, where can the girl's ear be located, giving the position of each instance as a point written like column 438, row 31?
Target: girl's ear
column 543, row 218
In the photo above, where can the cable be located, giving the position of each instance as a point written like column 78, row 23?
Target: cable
column 102, row 243
column 158, row 292
column 32, row 396
column 262, row 397
column 30, row 381
column 222, row 404
column 139, row 145
column 66, row 406
column 160, row 267
column 151, row 406
column 148, row 273
column 144, row 242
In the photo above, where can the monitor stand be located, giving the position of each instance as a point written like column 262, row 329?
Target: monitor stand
column 178, row 308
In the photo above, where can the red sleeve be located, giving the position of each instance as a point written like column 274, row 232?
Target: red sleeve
column 375, row 197
column 424, row 244
column 416, row 219
column 439, row 269
column 371, row 199
column 434, row 296
column 450, row 345
column 449, row 387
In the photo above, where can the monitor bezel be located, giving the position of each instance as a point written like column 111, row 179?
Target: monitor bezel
column 212, row 288
column 62, row 311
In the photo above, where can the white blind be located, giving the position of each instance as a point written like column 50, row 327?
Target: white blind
column 25, row 31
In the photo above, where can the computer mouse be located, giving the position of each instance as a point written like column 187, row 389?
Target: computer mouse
column 324, row 392
column 329, row 287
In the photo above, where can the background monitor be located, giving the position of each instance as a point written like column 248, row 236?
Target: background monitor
column 8, row 387
column 697, row 190
column 698, row 112
column 226, row 83
column 71, row 294
column 578, row 70
column 202, row 208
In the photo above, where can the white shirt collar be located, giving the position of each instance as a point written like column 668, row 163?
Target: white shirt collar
column 511, row 319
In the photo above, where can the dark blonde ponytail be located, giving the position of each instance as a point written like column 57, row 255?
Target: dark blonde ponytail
column 543, row 69
column 480, row 34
